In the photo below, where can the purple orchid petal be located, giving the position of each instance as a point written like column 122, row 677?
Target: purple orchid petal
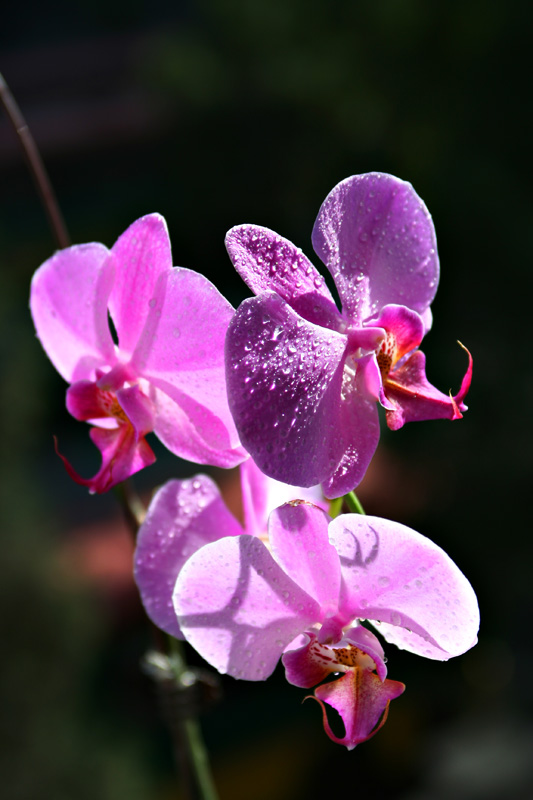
column 414, row 399
column 139, row 257
column 356, row 424
column 68, row 302
column 122, row 456
column 284, row 382
column 260, row 495
column 268, row 262
column 237, row 607
column 362, row 701
column 298, row 535
column 183, row 516
column 376, row 237
column 398, row 577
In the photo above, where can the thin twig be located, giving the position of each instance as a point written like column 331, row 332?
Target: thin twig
column 35, row 165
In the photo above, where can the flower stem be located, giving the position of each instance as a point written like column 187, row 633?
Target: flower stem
column 179, row 687
column 132, row 506
column 35, row 165
column 196, row 751
column 353, row 503
column 179, row 693
column 335, row 507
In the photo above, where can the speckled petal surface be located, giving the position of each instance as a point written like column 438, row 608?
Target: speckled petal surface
column 183, row 516
column 68, row 302
column 268, row 262
column 284, row 383
column 399, row 577
column 238, row 608
column 377, row 239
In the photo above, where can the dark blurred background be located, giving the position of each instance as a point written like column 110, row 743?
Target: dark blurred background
column 219, row 112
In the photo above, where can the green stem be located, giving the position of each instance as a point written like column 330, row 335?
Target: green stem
column 353, row 503
column 132, row 506
column 174, row 679
column 335, row 507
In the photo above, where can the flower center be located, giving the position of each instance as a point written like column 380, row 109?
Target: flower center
column 353, row 657
column 387, row 354
column 111, row 407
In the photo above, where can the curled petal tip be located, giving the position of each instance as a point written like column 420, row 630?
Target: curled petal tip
column 467, row 379
column 122, row 456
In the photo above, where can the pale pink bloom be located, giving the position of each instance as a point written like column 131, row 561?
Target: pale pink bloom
column 184, row 515
column 243, row 603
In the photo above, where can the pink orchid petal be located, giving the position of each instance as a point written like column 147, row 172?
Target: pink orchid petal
column 309, row 664
column 193, row 432
column 298, row 536
column 237, row 607
column 284, row 383
column 362, row 701
column 122, row 456
column 255, row 497
column 260, row 495
column 365, row 640
column 268, row 262
column 414, row 398
column 85, row 401
column 139, row 256
column 312, row 661
column 398, row 577
column 181, row 352
column 377, row 239
column 68, row 302
column 183, row 516
column 138, row 408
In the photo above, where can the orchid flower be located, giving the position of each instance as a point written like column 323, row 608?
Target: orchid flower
column 242, row 603
column 304, row 378
column 185, row 515
column 165, row 374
